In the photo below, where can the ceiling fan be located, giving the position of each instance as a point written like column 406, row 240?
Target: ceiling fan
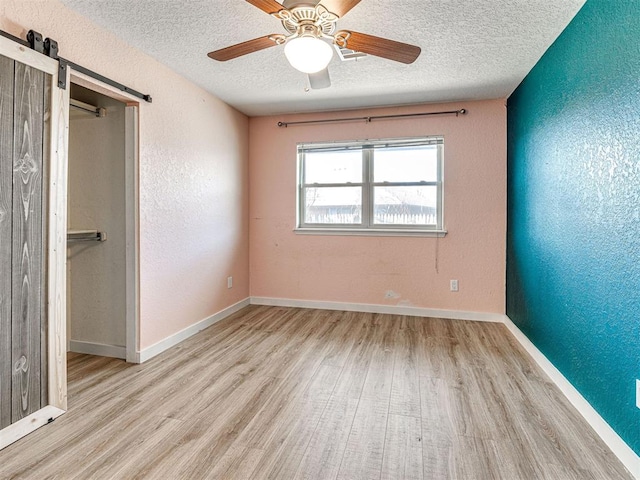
column 307, row 23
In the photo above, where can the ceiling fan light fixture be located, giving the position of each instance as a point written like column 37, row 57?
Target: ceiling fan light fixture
column 308, row 54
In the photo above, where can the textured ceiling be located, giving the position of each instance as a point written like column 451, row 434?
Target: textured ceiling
column 471, row 49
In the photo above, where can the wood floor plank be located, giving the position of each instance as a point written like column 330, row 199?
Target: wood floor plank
column 66, row 446
column 287, row 439
column 475, row 458
column 298, row 349
column 437, row 356
column 238, row 462
column 308, row 378
column 325, row 450
column 555, row 434
column 311, row 394
column 114, row 449
column 130, row 452
column 207, row 437
column 377, row 385
column 365, row 447
column 554, row 472
column 481, row 410
column 405, row 391
column 403, row 449
column 278, row 423
column 345, row 335
column 355, row 370
column 438, row 411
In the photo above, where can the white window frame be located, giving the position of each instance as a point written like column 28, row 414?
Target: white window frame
column 368, row 227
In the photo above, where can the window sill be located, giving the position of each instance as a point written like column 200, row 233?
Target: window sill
column 371, row 232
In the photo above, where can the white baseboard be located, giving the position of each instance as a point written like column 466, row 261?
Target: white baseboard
column 182, row 335
column 618, row 446
column 373, row 308
column 25, row 426
column 99, row 349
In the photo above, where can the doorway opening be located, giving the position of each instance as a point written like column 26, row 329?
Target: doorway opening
column 102, row 248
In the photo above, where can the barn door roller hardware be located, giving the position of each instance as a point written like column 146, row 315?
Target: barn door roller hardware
column 49, row 48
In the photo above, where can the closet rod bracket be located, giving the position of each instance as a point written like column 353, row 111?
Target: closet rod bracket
column 86, row 236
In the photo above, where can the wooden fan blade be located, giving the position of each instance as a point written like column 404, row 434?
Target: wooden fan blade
column 267, row 6
column 320, row 79
column 381, row 47
column 243, row 48
column 339, row 7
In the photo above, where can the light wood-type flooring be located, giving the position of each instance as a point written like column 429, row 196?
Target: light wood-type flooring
column 311, row 394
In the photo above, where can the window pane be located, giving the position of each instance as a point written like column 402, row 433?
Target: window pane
column 405, row 206
column 406, row 164
column 333, row 205
column 333, row 167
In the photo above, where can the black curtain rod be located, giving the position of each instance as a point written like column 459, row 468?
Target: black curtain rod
column 49, row 48
column 462, row 111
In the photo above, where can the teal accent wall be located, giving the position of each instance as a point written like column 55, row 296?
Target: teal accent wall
column 573, row 237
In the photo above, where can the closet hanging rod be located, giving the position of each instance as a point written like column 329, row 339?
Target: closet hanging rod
column 86, row 236
column 85, row 107
column 462, row 111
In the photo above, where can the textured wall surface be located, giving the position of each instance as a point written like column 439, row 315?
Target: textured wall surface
column 386, row 270
column 193, row 173
column 573, row 275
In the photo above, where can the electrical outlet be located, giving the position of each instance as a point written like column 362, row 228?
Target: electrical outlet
column 229, row 282
column 638, row 393
column 454, row 285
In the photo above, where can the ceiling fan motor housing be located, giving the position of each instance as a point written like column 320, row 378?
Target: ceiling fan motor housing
column 310, row 20
column 305, row 18
column 289, row 4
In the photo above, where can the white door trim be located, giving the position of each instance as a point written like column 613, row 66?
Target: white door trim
column 132, row 230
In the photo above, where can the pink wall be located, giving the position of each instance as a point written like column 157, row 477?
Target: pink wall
column 364, row 269
column 193, row 174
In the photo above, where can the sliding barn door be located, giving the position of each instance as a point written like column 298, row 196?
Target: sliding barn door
column 23, row 323
column 32, row 390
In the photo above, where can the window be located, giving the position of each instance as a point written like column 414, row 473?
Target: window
column 371, row 186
